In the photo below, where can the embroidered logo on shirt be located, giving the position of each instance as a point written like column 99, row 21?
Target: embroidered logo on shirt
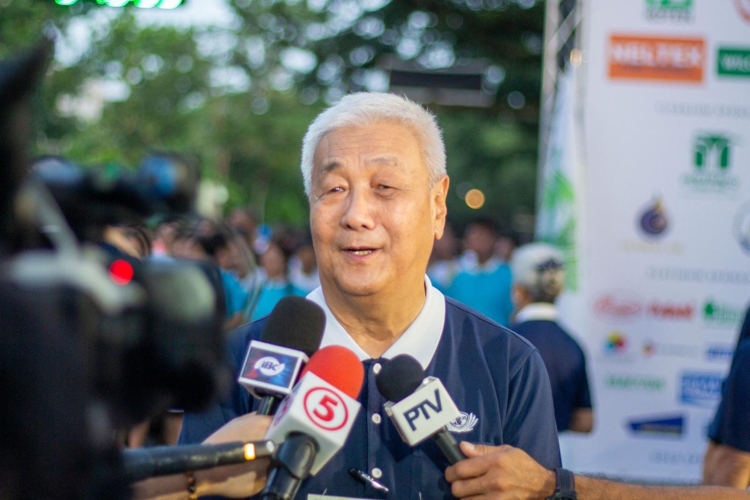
column 464, row 423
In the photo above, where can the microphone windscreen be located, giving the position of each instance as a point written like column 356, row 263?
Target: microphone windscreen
column 338, row 366
column 296, row 323
column 399, row 377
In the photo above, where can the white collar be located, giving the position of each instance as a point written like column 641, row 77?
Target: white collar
column 472, row 265
column 420, row 339
column 537, row 311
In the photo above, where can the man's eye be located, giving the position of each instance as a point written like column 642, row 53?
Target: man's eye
column 384, row 187
column 336, row 189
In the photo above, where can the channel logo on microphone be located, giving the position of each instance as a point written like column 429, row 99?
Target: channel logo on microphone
column 424, row 412
column 270, row 367
column 319, row 409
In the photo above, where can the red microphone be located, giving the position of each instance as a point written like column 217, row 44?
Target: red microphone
column 314, row 421
column 338, row 366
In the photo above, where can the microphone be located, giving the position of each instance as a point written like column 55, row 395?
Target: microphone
column 142, row 463
column 314, row 421
column 272, row 364
column 419, row 407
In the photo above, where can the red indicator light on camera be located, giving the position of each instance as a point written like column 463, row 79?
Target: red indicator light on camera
column 121, row 272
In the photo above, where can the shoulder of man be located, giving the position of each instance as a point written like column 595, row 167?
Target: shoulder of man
column 467, row 321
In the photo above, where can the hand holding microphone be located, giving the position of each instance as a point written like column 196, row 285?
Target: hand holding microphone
column 418, row 406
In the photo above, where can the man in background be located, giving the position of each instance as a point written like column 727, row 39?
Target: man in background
column 538, row 279
column 484, row 280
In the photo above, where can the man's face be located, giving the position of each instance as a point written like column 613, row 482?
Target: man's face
column 373, row 214
column 479, row 239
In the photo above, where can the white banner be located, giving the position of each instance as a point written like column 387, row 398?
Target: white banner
column 665, row 224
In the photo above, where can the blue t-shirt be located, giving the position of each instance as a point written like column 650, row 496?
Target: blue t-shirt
column 731, row 425
column 234, row 295
column 487, row 291
column 271, row 293
column 496, row 378
column 566, row 366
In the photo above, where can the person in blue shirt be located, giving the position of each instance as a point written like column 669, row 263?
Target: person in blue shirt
column 538, row 278
column 484, row 281
column 374, row 171
column 727, row 459
column 275, row 283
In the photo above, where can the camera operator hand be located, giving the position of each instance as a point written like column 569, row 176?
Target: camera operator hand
column 507, row 473
column 233, row 481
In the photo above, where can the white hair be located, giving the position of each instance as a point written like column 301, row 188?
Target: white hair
column 364, row 108
column 538, row 267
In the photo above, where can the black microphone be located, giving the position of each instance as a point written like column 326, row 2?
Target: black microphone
column 272, row 364
column 419, row 407
column 142, row 463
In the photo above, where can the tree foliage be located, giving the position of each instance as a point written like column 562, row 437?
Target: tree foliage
column 239, row 97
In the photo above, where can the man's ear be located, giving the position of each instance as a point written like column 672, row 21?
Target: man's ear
column 439, row 194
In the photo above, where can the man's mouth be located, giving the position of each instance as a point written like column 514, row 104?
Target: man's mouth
column 360, row 251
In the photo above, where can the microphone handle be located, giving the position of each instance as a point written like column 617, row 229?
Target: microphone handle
column 268, row 405
column 294, row 460
column 449, row 446
column 142, row 463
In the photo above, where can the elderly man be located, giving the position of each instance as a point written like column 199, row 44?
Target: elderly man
column 374, row 172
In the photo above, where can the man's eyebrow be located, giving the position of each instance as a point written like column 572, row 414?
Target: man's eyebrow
column 328, row 167
column 386, row 161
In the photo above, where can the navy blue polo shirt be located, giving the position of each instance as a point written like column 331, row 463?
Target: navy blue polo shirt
column 563, row 357
column 731, row 425
column 496, row 378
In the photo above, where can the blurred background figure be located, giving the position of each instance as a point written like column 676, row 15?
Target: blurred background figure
column 484, row 281
column 276, row 284
column 244, row 222
column 303, row 266
column 538, row 279
column 505, row 246
column 444, row 262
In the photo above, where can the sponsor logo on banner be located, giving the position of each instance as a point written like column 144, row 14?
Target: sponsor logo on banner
column 618, row 305
column 653, row 220
column 700, row 389
column 719, row 352
column 742, row 227
column 658, row 426
column 678, row 11
column 652, row 224
column 671, row 310
column 656, row 59
column 671, row 457
column 696, row 275
column 702, row 110
column 720, row 315
column 711, row 167
column 616, row 344
column 743, row 7
column 643, row 383
column 652, row 348
column 733, row 62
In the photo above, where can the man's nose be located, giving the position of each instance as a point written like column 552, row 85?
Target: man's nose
column 359, row 211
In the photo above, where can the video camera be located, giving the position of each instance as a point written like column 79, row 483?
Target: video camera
column 93, row 342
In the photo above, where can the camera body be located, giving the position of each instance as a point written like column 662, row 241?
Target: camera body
column 93, row 341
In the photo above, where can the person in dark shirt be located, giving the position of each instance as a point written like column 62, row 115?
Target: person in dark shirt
column 538, row 277
column 727, row 459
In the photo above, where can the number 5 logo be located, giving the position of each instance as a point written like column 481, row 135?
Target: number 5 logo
column 326, row 409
